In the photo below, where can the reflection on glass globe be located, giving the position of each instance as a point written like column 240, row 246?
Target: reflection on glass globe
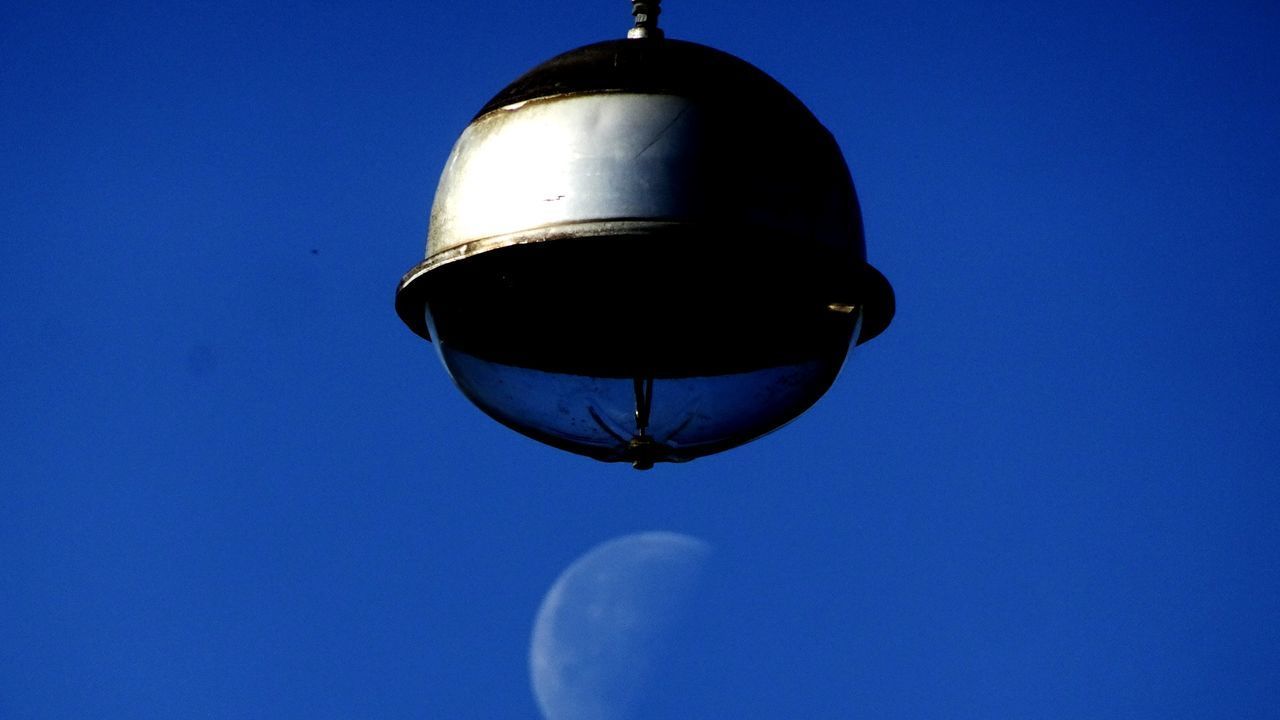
column 603, row 417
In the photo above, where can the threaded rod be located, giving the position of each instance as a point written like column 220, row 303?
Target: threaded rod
column 646, row 13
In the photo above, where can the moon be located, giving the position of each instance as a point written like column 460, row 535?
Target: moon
column 602, row 626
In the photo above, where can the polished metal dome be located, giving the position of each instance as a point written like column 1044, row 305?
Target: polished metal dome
column 645, row 250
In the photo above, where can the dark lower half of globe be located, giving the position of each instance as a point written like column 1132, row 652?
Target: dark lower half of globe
column 643, row 307
column 641, row 351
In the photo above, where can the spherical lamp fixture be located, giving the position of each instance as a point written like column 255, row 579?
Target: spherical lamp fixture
column 645, row 250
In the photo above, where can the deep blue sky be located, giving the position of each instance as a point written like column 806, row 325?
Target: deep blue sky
column 233, row 485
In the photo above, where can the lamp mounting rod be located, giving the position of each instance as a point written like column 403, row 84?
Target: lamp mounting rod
column 646, row 14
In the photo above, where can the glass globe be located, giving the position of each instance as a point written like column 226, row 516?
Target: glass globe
column 639, row 350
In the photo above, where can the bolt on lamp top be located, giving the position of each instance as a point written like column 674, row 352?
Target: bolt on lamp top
column 646, row 15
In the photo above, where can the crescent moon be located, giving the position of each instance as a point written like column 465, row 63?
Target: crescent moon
column 602, row 625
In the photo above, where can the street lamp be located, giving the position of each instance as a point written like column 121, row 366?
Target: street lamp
column 645, row 250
